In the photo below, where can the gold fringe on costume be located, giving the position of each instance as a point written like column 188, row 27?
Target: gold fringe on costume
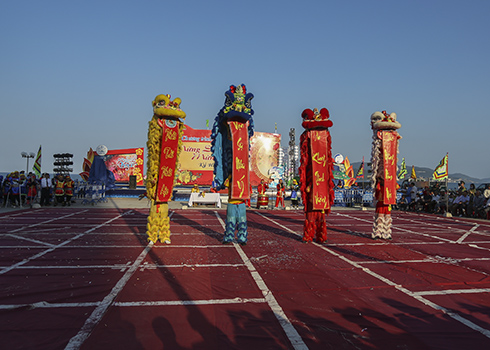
column 158, row 222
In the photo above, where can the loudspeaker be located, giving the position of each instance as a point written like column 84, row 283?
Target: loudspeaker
column 132, row 182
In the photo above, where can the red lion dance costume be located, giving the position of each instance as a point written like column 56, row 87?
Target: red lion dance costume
column 383, row 179
column 316, row 173
column 164, row 145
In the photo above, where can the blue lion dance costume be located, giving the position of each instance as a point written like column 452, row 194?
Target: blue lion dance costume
column 232, row 129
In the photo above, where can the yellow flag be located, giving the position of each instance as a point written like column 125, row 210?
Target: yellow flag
column 414, row 176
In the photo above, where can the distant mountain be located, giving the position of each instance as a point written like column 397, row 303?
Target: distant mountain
column 426, row 173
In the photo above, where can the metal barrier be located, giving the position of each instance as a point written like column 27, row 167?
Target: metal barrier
column 353, row 197
column 93, row 194
column 356, row 197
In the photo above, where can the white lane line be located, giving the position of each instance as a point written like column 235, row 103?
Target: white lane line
column 420, row 298
column 478, row 247
column 436, row 259
column 397, row 261
column 99, row 312
column 191, row 266
column 25, row 261
column 50, row 230
column 123, row 267
column 48, row 221
column 87, row 246
column 380, row 243
column 293, row 336
column 102, row 308
column 425, row 223
column 29, row 240
column 402, row 229
column 75, row 267
column 47, row 305
column 150, row 266
column 453, row 291
column 462, row 238
column 192, row 302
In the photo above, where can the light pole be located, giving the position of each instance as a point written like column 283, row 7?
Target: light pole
column 27, row 155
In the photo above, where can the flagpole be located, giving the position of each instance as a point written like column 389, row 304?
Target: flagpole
column 363, row 175
column 447, row 185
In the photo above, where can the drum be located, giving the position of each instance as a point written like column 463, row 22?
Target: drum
column 262, row 201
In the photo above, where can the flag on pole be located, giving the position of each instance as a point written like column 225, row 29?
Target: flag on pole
column 37, row 163
column 360, row 172
column 414, row 176
column 441, row 171
column 207, row 123
column 403, row 171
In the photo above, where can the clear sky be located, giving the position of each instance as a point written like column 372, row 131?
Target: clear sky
column 76, row 74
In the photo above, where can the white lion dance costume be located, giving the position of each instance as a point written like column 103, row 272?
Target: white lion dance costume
column 383, row 179
column 164, row 145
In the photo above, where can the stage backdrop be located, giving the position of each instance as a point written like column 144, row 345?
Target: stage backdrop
column 126, row 162
column 196, row 161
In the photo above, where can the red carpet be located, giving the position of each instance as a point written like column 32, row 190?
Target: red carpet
column 79, row 278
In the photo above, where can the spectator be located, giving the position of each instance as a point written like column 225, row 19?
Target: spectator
column 45, row 189
column 1, row 188
column 441, row 206
column 195, row 189
column 460, row 204
column 402, row 203
column 15, row 192
column 69, row 185
column 280, row 194
column 427, row 200
column 487, row 209
column 418, row 205
column 413, row 193
column 461, row 186
column 32, row 186
column 433, row 202
column 294, row 194
column 59, row 191
column 478, row 204
column 472, row 190
column 6, row 185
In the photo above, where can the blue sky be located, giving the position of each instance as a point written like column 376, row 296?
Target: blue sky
column 74, row 75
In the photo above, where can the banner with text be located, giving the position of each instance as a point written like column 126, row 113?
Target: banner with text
column 196, row 160
column 126, row 162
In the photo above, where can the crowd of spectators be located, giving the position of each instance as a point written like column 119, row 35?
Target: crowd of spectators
column 18, row 189
column 461, row 202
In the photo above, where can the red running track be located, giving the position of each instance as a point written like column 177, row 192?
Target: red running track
column 81, row 278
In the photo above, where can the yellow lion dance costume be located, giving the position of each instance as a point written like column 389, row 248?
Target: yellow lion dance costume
column 164, row 145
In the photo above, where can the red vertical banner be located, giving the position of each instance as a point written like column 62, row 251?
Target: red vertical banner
column 319, row 163
column 168, row 159
column 389, row 140
column 240, row 182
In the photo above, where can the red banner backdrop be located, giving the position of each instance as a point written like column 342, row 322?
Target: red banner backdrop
column 319, row 157
column 389, row 140
column 196, row 161
column 126, row 162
